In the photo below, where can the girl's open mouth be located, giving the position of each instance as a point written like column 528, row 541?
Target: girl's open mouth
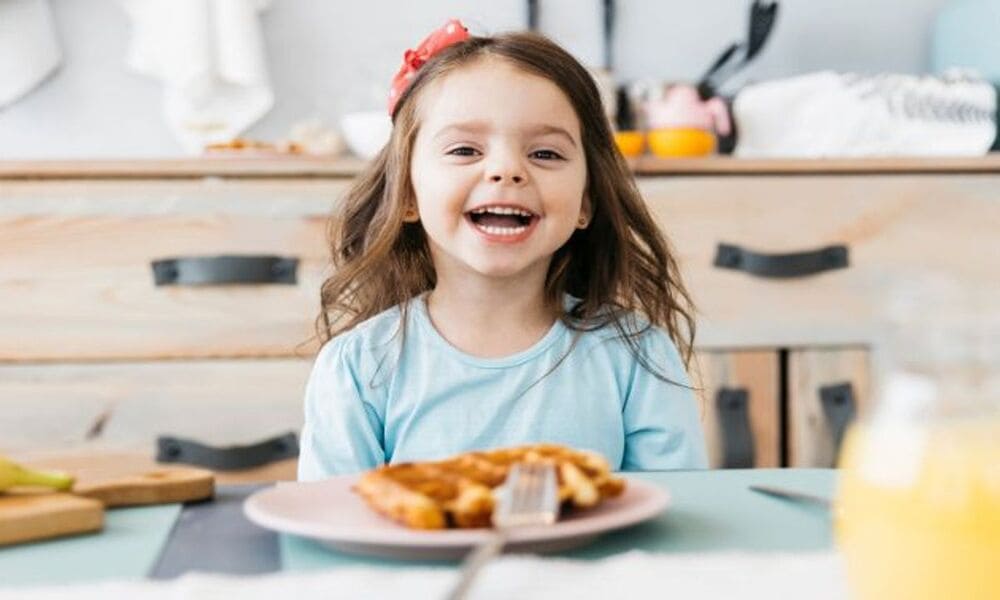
column 502, row 223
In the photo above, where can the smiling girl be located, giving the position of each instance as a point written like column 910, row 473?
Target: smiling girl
column 498, row 280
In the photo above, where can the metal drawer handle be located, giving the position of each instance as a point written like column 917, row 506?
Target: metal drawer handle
column 227, row 269
column 795, row 264
column 839, row 408
column 178, row 450
column 732, row 409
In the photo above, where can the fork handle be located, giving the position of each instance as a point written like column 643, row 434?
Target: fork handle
column 475, row 561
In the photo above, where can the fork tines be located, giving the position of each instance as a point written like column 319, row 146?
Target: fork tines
column 529, row 496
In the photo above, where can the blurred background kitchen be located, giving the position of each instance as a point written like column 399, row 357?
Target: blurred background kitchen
column 103, row 78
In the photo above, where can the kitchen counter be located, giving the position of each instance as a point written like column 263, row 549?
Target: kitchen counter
column 298, row 167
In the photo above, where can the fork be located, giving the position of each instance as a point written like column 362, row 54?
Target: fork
column 527, row 497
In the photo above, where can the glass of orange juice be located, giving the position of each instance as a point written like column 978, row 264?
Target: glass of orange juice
column 917, row 512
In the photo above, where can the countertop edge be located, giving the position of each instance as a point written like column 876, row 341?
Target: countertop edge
column 347, row 167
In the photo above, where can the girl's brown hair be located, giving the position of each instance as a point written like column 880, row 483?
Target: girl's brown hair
column 620, row 265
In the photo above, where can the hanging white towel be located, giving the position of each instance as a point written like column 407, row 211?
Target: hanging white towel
column 29, row 51
column 830, row 114
column 209, row 54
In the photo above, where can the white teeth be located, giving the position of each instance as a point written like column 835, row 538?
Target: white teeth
column 501, row 210
column 501, row 230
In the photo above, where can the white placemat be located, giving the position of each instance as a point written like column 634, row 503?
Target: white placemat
column 818, row 576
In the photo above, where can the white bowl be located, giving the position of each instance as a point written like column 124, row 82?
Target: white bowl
column 366, row 132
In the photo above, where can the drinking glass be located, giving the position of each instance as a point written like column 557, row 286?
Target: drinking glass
column 917, row 511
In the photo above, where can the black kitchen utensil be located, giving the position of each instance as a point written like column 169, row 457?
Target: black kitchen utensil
column 793, row 495
column 737, row 55
column 533, row 11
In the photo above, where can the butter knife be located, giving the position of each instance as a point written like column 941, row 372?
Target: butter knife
column 791, row 495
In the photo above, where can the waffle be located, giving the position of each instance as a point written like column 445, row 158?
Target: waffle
column 458, row 491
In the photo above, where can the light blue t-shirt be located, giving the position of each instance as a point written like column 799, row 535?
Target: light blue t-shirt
column 371, row 400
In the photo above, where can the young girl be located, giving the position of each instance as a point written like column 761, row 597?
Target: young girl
column 498, row 279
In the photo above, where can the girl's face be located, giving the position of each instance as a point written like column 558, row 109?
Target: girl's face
column 499, row 171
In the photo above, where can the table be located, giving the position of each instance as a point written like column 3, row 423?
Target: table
column 710, row 511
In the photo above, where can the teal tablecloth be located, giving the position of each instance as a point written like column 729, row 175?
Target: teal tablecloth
column 128, row 545
column 709, row 511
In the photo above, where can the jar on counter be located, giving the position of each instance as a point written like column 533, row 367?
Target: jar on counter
column 918, row 501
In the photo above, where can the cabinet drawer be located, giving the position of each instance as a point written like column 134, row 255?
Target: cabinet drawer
column 76, row 280
column 740, row 396
column 219, row 402
column 894, row 227
column 827, row 390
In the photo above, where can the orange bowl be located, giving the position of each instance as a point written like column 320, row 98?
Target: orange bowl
column 630, row 143
column 680, row 142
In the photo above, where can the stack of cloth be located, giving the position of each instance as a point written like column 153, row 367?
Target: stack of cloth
column 829, row 114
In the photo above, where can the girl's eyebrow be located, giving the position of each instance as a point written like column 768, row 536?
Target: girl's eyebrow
column 481, row 127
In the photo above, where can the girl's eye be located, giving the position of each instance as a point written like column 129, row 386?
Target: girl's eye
column 462, row 151
column 546, row 155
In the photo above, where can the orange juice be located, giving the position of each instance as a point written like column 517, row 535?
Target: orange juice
column 918, row 509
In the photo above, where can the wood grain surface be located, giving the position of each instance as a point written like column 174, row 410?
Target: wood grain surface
column 810, row 441
column 348, row 166
column 75, row 263
column 757, row 372
column 98, row 466
column 125, row 406
column 76, row 279
column 897, row 229
column 30, row 515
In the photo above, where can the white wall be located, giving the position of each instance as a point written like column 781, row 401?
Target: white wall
column 327, row 57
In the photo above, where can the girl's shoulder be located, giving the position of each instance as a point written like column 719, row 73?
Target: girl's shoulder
column 627, row 333
column 366, row 338
column 611, row 322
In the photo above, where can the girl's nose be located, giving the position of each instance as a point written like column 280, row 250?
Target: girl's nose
column 514, row 178
column 504, row 166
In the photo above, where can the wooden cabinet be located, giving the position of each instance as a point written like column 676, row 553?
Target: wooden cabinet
column 827, row 389
column 773, row 408
column 891, row 228
column 740, row 395
column 87, row 336
column 96, row 354
column 77, row 280
column 859, row 231
column 127, row 405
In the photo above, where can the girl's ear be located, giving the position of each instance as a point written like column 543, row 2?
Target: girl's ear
column 410, row 215
column 585, row 213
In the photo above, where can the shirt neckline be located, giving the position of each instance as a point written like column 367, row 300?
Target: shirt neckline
column 423, row 319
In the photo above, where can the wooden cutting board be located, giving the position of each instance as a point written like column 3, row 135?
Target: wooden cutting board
column 95, row 465
column 33, row 514
column 163, row 485
column 27, row 516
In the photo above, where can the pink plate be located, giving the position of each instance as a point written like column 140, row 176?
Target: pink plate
column 331, row 513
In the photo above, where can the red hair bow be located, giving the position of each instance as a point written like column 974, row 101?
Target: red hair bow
column 450, row 33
